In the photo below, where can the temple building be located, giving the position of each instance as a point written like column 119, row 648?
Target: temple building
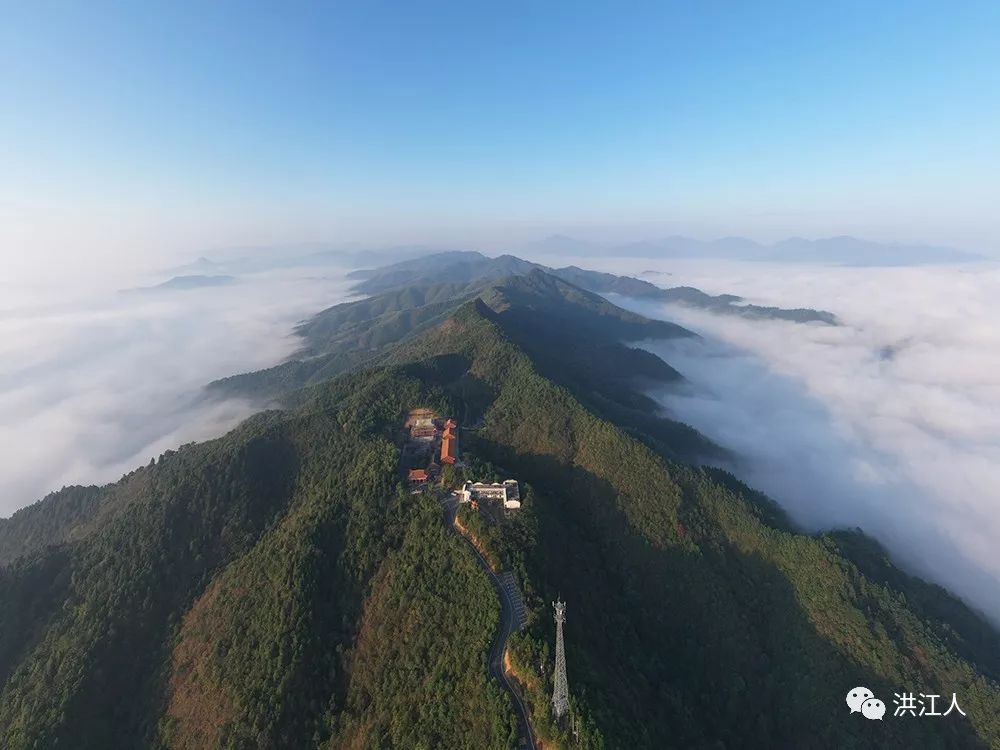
column 449, row 443
column 420, row 423
column 506, row 492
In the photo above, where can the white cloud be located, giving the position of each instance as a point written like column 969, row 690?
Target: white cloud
column 93, row 386
column 890, row 422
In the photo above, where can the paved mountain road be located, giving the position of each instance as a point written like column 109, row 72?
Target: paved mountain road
column 507, row 625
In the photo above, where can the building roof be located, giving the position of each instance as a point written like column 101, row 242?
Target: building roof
column 418, row 415
column 449, row 449
column 417, row 475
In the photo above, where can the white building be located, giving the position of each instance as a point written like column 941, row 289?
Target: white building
column 506, row 492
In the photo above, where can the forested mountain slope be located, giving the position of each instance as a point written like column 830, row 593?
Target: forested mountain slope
column 409, row 297
column 363, row 332
column 279, row 588
column 218, row 607
column 472, row 266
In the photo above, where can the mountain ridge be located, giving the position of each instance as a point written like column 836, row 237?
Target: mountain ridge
column 471, row 267
column 281, row 586
column 185, row 283
column 345, row 335
column 837, row 250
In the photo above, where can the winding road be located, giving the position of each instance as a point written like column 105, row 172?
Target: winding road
column 506, row 626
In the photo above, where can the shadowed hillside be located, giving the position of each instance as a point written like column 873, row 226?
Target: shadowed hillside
column 279, row 587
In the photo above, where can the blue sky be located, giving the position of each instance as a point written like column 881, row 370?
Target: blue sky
column 197, row 124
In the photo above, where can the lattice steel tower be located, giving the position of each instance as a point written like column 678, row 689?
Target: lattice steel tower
column 560, row 693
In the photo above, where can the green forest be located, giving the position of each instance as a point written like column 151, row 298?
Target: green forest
column 281, row 587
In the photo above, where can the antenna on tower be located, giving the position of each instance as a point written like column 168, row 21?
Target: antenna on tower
column 560, row 691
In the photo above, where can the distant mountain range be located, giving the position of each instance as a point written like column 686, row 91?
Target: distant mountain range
column 185, row 282
column 259, row 260
column 842, row 250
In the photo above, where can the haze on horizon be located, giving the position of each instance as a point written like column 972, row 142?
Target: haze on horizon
column 144, row 134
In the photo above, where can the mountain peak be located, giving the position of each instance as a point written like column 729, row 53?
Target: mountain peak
column 248, row 591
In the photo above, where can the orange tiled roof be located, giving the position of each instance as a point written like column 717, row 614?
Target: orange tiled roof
column 417, row 475
column 449, row 449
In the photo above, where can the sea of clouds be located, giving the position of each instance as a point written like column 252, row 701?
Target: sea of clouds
column 889, row 422
column 95, row 382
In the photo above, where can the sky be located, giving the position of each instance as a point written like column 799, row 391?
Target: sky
column 129, row 130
